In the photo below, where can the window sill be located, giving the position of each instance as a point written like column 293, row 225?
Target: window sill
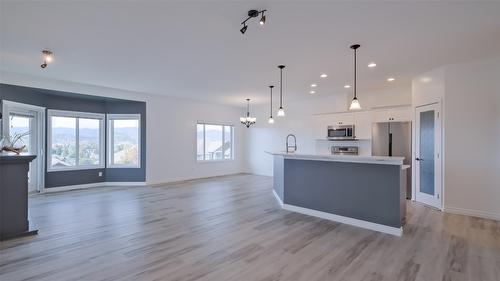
column 214, row 161
column 81, row 168
column 123, row 167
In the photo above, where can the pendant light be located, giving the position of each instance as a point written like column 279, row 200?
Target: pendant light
column 247, row 120
column 281, row 112
column 355, row 103
column 271, row 120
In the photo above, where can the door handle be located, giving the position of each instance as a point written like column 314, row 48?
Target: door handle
column 419, row 159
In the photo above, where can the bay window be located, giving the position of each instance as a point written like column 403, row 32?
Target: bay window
column 124, row 140
column 75, row 140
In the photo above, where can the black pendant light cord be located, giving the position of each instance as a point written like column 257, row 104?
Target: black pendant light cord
column 355, row 71
column 248, row 107
column 281, row 85
column 355, row 48
column 271, row 107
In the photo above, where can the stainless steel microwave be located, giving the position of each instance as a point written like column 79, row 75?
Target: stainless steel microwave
column 343, row 132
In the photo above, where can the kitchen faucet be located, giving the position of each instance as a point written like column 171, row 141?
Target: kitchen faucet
column 294, row 146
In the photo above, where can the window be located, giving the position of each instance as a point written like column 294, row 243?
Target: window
column 76, row 140
column 214, row 142
column 124, row 140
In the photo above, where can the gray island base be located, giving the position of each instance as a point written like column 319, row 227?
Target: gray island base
column 367, row 192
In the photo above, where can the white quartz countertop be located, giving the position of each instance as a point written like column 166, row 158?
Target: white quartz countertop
column 387, row 160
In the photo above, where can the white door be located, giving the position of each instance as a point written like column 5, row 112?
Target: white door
column 25, row 123
column 428, row 155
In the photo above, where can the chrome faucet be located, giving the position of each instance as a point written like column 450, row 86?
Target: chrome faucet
column 294, row 146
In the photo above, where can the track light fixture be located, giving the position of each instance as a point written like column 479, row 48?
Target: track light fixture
column 48, row 57
column 253, row 14
column 243, row 29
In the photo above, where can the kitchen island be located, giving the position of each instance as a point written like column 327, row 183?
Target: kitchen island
column 364, row 191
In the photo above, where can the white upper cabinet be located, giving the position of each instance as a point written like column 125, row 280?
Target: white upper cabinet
column 363, row 125
column 339, row 119
column 362, row 121
column 392, row 115
column 321, row 122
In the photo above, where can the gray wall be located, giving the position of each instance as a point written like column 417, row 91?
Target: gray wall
column 77, row 102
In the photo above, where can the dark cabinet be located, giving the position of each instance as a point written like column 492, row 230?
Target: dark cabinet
column 14, row 195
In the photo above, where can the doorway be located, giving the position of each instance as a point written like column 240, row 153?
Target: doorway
column 26, row 123
column 428, row 174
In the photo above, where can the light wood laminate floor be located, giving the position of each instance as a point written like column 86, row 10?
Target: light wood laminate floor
column 231, row 228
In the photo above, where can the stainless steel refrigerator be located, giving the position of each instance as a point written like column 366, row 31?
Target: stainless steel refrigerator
column 393, row 139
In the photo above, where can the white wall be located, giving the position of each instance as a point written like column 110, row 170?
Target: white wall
column 472, row 163
column 172, row 139
column 171, row 128
column 299, row 121
column 470, row 92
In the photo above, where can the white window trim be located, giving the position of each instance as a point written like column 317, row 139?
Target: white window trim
column 223, row 139
column 76, row 114
column 109, row 118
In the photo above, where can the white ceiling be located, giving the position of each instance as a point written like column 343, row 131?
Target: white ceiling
column 195, row 50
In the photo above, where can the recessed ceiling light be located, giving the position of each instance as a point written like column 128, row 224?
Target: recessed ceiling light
column 372, row 64
column 390, row 79
column 323, row 75
column 313, row 85
column 347, row 86
column 312, row 92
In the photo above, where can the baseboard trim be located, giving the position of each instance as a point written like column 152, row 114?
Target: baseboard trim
column 278, row 198
column 164, row 183
column 472, row 213
column 90, row 185
column 346, row 220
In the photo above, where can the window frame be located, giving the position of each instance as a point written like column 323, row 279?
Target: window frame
column 77, row 115
column 223, row 139
column 110, row 140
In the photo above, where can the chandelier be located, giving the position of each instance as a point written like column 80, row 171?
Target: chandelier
column 248, row 121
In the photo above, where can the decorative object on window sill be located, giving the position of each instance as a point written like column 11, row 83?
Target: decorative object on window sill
column 48, row 57
column 355, row 103
column 253, row 14
column 271, row 120
column 14, row 143
column 248, row 121
column 281, row 111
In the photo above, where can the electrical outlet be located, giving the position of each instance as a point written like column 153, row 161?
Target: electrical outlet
column 100, row 174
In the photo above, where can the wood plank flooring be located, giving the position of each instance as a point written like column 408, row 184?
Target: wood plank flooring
column 231, row 228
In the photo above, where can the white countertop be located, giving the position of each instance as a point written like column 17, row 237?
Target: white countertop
column 386, row 160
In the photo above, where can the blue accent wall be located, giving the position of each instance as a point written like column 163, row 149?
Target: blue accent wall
column 84, row 103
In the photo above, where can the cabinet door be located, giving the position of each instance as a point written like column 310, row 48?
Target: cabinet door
column 320, row 124
column 363, row 125
column 392, row 115
column 342, row 119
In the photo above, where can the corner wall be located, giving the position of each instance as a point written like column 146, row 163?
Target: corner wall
column 51, row 99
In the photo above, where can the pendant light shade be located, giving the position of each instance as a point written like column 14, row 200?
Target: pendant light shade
column 271, row 120
column 355, row 103
column 281, row 111
column 248, row 120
